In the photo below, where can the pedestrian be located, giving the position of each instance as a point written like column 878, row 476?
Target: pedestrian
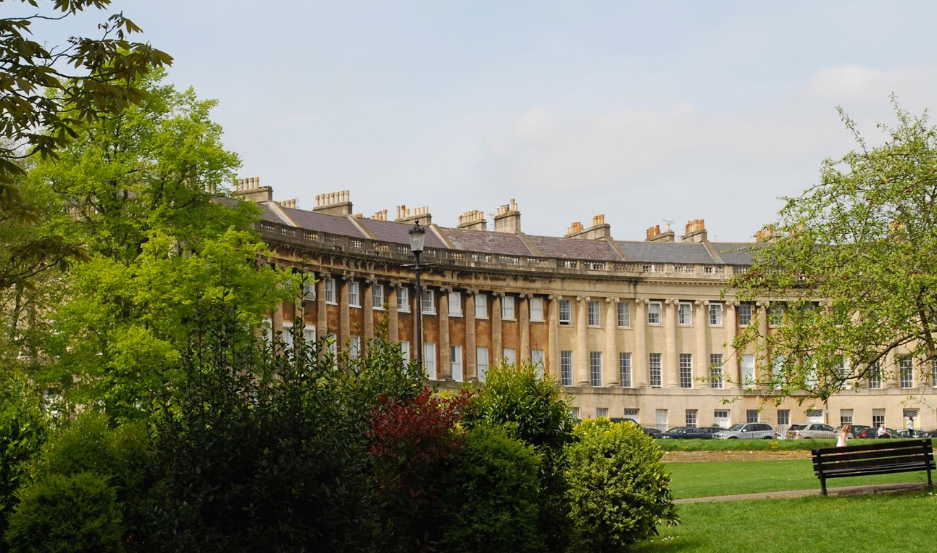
column 882, row 432
column 844, row 435
column 910, row 426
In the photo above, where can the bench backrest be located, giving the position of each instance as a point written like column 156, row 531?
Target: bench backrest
column 891, row 452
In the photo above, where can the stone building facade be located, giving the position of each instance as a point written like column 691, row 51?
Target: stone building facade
column 631, row 329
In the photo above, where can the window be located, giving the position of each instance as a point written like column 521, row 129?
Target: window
column 536, row 309
column 481, row 356
column 632, row 414
column 429, row 360
column 595, row 368
column 933, row 372
column 455, row 304
column 654, row 364
column 574, row 413
column 566, row 368
column 685, row 313
column 309, row 334
column 653, row 313
column 715, row 314
column 507, row 308
column 624, row 369
column 660, row 418
column 429, row 302
column 377, row 295
column 330, row 290
column 601, row 412
column 595, row 318
column 404, row 351
column 875, row 375
column 309, row 291
column 510, row 355
column 777, row 370
column 721, row 417
column 332, row 345
column 287, row 335
column 624, row 314
column 481, row 306
column 566, row 313
column 748, row 372
column 878, row 417
column 845, row 416
column 715, row 370
column 536, row 359
column 455, row 353
column 784, row 417
column 354, row 347
column 775, row 314
column 354, row 295
column 745, row 314
column 403, row 299
column 751, row 415
column 691, row 416
column 686, row 370
column 906, row 372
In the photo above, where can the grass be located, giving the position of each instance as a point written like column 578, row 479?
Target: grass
column 738, row 477
column 750, row 445
column 879, row 523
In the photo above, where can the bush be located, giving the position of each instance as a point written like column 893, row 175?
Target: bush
column 21, row 436
column 618, row 489
column 490, row 496
column 67, row 514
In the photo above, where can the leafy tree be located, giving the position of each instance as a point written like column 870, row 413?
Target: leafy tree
column 849, row 267
column 618, row 489
column 22, row 433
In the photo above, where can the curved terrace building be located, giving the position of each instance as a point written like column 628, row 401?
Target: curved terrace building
column 636, row 329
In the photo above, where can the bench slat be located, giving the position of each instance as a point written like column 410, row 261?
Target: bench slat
column 870, row 459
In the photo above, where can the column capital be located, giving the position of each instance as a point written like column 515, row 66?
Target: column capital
column 583, row 298
column 611, row 300
column 671, row 301
column 702, row 303
column 395, row 284
column 445, row 289
column 555, row 296
column 497, row 294
column 526, row 295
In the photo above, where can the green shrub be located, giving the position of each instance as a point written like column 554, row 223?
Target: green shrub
column 490, row 496
column 67, row 514
column 21, row 436
column 618, row 489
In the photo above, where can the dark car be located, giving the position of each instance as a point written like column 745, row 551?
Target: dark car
column 873, row 433
column 652, row 432
column 854, row 431
column 687, row 433
column 676, row 432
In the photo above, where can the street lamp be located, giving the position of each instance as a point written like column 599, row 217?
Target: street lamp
column 417, row 233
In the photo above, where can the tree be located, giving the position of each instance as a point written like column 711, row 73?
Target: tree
column 849, row 268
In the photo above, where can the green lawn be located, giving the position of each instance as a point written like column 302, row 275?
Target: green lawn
column 879, row 523
column 709, row 479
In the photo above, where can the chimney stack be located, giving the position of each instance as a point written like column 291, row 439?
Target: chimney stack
column 416, row 215
column 334, row 203
column 249, row 189
column 655, row 235
column 508, row 218
column 473, row 220
column 599, row 229
column 695, row 231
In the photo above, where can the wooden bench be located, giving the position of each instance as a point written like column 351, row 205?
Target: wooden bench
column 885, row 457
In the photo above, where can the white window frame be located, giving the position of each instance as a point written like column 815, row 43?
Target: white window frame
column 429, row 302
column 481, row 306
column 775, row 315
column 746, row 314
column 481, row 362
column 906, row 371
column 565, row 313
column 455, row 356
column 655, row 370
column 354, row 347
column 330, row 292
column 429, row 360
column 685, row 313
column 686, row 370
column 624, row 314
column 595, row 369
column 875, row 376
column 721, row 417
column 655, row 313
column 601, row 412
column 692, row 418
column 509, row 355
column 404, row 350
column 507, row 308
column 455, row 304
column 747, row 361
column 309, row 291
column 377, row 297
column 538, row 360
column 624, row 370
column 716, row 372
column 536, row 310
column 403, row 299
column 354, row 293
column 286, row 335
column 715, row 314
column 309, row 334
column 595, row 314
column 566, row 367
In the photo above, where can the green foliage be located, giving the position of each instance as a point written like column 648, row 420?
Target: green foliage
column 490, row 496
column 851, row 263
column 67, row 514
column 534, row 410
column 22, row 432
column 618, row 489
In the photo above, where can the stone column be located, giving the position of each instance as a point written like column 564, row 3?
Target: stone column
column 344, row 317
column 393, row 328
column 734, row 370
column 762, row 358
column 322, row 314
column 471, row 351
column 582, row 356
column 367, row 314
column 523, row 326
column 445, row 361
column 640, row 370
column 497, row 351
column 552, row 362
column 701, row 320
column 671, row 362
column 612, row 376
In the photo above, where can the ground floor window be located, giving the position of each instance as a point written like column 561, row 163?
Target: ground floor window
column 691, row 418
column 751, row 415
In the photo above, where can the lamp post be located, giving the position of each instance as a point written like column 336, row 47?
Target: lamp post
column 417, row 233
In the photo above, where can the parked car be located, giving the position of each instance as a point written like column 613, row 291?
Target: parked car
column 873, row 433
column 811, row 430
column 747, row 430
column 652, row 432
column 854, row 431
column 677, row 432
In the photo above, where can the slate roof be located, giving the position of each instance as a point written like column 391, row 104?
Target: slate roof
column 570, row 248
column 487, row 242
column 398, row 233
column 666, row 252
column 734, row 253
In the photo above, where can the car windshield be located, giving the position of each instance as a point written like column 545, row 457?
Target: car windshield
column 798, row 426
column 737, row 426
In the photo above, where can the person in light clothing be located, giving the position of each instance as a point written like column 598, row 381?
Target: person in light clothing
column 844, row 435
column 910, row 426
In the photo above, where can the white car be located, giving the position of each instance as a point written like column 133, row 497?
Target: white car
column 747, row 431
column 811, row 430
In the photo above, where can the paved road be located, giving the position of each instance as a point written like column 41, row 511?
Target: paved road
column 848, row 490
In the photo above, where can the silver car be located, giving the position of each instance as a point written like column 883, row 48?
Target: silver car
column 746, row 431
column 811, row 430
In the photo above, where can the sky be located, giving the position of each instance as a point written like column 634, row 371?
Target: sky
column 647, row 112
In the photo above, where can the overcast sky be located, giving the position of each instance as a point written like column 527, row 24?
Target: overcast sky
column 647, row 112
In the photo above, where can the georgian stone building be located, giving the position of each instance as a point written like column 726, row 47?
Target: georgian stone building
column 635, row 329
